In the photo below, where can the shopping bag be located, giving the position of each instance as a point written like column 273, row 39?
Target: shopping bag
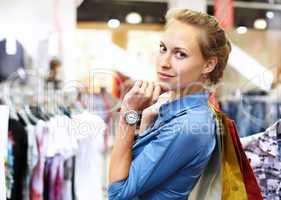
column 231, row 140
column 228, row 174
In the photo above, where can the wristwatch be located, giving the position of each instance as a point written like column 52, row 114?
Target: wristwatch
column 131, row 117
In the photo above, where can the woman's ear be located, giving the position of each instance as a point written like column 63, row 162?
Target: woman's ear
column 210, row 65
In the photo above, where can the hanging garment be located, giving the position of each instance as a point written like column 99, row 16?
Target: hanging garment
column 262, row 152
column 47, row 175
column 228, row 175
column 254, row 111
column 53, row 178
column 89, row 130
column 9, row 166
column 249, row 114
column 56, row 178
column 10, row 63
column 62, row 139
column 68, row 177
column 19, row 138
column 37, row 178
column 32, row 159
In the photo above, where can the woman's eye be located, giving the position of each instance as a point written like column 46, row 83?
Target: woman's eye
column 162, row 49
column 181, row 55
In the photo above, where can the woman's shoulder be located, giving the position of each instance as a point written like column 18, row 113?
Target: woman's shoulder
column 195, row 129
column 195, row 123
column 199, row 115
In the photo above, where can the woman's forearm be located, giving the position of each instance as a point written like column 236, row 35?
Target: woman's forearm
column 138, row 98
column 121, row 156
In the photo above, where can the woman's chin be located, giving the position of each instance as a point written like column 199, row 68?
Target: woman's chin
column 167, row 85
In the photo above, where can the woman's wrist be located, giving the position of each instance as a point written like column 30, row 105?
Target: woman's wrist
column 126, row 107
column 122, row 119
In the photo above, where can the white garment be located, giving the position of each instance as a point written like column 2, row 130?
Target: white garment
column 37, row 183
column 61, row 139
column 245, row 141
column 88, row 164
column 67, row 195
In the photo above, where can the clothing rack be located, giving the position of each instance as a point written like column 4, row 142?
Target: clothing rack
column 252, row 111
column 20, row 97
column 241, row 97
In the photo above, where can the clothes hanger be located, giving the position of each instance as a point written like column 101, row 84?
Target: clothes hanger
column 12, row 108
column 30, row 115
column 21, row 113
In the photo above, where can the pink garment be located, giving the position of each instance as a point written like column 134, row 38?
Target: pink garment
column 37, row 177
column 56, row 178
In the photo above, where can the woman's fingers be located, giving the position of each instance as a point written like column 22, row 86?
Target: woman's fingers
column 143, row 87
column 143, row 94
column 156, row 93
column 137, row 85
column 149, row 90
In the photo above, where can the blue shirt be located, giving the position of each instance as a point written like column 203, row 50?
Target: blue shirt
column 170, row 156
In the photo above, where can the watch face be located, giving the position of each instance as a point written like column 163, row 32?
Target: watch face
column 132, row 117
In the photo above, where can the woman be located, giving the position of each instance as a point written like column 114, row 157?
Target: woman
column 167, row 159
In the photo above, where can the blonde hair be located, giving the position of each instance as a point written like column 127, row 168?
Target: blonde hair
column 213, row 41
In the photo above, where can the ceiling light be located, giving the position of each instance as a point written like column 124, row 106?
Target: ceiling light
column 113, row 23
column 134, row 18
column 260, row 24
column 241, row 29
column 270, row 14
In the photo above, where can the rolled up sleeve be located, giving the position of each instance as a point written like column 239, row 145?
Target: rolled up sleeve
column 159, row 159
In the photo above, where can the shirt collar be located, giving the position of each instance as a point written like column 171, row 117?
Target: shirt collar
column 169, row 110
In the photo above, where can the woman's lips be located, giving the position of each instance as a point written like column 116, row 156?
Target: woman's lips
column 164, row 77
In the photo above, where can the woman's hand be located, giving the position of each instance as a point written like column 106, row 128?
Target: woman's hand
column 142, row 95
column 149, row 114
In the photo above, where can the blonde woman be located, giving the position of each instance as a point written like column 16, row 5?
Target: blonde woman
column 166, row 160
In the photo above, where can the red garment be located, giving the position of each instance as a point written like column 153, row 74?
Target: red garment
column 251, row 184
column 224, row 12
column 121, row 84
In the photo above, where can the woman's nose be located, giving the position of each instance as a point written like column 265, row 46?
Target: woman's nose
column 165, row 61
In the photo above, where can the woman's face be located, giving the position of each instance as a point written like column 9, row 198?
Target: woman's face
column 179, row 62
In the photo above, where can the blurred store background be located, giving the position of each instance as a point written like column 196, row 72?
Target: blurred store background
column 79, row 56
